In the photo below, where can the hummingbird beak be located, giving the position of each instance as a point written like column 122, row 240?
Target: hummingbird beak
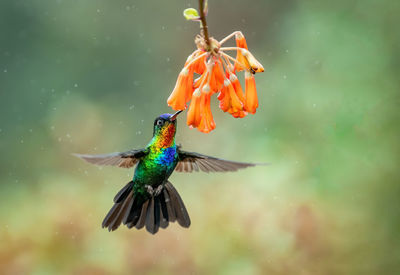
column 173, row 117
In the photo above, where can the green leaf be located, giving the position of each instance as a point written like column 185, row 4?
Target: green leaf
column 191, row 14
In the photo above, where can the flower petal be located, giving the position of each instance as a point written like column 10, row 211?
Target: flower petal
column 230, row 101
column 240, row 40
column 251, row 100
column 199, row 65
column 182, row 91
column 240, row 43
column 207, row 123
column 217, row 77
column 193, row 114
column 252, row 62
column 240, row 114
column 236, row 85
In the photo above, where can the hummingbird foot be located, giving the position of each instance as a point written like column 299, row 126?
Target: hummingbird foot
column 154, row 192
column 158, row 190
column 149, row 189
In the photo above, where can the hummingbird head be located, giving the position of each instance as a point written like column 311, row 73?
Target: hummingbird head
column 165, row 126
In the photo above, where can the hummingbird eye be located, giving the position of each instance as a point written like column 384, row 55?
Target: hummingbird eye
column 160, row 122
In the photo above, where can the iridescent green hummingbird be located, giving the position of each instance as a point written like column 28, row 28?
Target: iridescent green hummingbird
column 149, row 199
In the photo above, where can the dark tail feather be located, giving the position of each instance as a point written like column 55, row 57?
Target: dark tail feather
column 142, row 220
column 150, row 218
column 168, row 204
column 123, row 193
column 181, row 213
column 164, row 212
column 153, row 212
column 118, row 212
column 133, row 216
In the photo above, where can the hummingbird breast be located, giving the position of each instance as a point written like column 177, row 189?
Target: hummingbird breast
column 157, row 166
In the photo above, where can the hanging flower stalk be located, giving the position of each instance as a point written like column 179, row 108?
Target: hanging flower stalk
column 217, row 70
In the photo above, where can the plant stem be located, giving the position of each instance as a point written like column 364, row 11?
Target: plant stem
column 204, row 23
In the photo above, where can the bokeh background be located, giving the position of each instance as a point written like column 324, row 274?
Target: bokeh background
column 90, row 77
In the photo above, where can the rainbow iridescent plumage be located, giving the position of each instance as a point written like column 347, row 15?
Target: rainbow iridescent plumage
column 161, row 160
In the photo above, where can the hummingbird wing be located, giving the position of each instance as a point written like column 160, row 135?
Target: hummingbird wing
column 190, row 161
column 126, row 159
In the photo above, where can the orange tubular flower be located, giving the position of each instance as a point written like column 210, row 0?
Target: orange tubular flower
column 240, row 43
column 193, row 115
column 207, row 123
column 217, row 74
column 200, row 65
column 245, row 60
column 239, row 92
column 236, row 85
column 183, row 90
column 217, row 77
column 230, row 102
column 199, row 80
column 251, row 62
column 251, row 101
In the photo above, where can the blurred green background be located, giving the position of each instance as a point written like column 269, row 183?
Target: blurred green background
column 90, row 77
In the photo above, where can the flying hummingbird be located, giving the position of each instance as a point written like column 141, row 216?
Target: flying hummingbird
column 149, row 199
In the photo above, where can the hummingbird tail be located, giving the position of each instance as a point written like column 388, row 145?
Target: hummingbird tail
column 156, row 210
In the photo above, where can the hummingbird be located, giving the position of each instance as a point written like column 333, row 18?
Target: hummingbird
column 150, row 200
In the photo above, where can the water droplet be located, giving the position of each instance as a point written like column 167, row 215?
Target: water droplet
column 285, row 76
column 30, row 130
column 76, row 85
column 98, row 10
column 131, row 107
column 5, row 70
column 314, row 105
column 22, row 141
column 52, row 127
column 128, row 8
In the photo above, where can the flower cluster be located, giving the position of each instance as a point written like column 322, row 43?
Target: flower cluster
column 217, row 72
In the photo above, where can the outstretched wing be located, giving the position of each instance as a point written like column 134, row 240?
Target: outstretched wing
column 125, row 159
column 190, row 161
